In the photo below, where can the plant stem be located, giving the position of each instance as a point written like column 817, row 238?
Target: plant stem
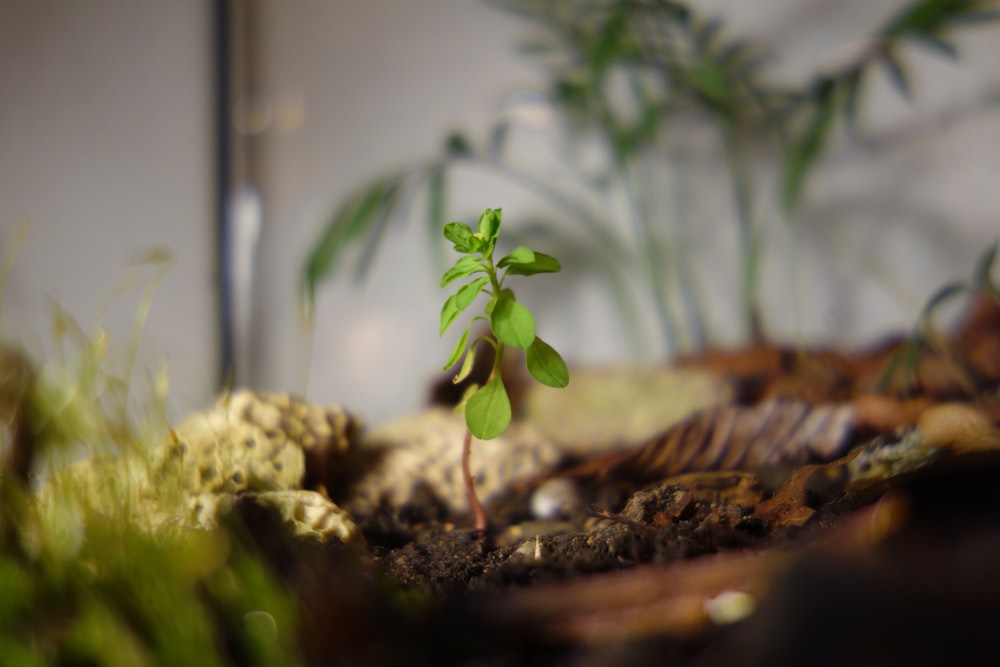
column 470, row 487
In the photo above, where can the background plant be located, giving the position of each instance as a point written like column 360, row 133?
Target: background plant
column 487, row 408
column 925, row 334
column 632, row 75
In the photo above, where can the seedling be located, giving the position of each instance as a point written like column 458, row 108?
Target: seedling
column 487, row 408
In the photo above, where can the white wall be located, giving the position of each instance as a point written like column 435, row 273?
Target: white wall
column 105, row 141
column 105, row 151
column 381, row 81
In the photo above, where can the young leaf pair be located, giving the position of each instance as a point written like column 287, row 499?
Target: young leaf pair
column 487, row 410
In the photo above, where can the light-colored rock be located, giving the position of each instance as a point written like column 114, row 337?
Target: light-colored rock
column 619, row 406
column 249, row 443
column 555, row 498
column 426, row 448
column 309, row 515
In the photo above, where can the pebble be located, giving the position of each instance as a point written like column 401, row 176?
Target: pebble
column 556, row 498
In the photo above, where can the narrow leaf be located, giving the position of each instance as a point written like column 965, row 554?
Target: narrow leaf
column 805, row 151
column 981, row 276
column 919, row 16
column 512, row 323
column 943, row 294
column 465, row 266
column 459, row 301
column 458, row 349
column 355, row 217
column 436, row 200
column 897, row 73
column 466, row 368
column 852, row 87
column 375, row 231
column 487, row 412
column 449, row 311
column 467, row 293
column 937, row 43
column 545, row 364
column 889, row 372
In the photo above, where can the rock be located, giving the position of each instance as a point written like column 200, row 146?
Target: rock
column 426, row 448
column 945, row 431
column 309, row 515
column 263, row 446
column 257, row 442
column 558, row 497
column 617, row 407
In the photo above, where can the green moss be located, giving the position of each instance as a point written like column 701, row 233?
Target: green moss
column 89, row 572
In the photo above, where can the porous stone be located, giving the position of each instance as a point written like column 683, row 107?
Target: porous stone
column 268, row 445
column 426, row 448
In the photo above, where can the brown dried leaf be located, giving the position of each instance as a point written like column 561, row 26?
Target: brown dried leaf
column 735, row 438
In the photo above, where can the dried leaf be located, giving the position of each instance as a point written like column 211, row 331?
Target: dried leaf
column 735, row 438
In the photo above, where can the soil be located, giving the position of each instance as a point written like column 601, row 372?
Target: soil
column 923, row 591
column 776, row 565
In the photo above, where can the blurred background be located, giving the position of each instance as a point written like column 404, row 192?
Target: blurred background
column 228, row 134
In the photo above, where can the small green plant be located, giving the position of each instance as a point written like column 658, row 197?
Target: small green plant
column 926, row 337
column 487, row 408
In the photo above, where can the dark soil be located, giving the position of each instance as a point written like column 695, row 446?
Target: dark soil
column 436, row 593
column 899, row 571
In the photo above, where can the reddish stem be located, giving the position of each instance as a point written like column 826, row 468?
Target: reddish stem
column 470, row 489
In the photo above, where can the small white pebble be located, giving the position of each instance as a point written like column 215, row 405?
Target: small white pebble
column 554, row 498
column 730, row 606
column 529, row 549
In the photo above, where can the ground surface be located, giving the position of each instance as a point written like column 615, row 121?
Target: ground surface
column 881, row 553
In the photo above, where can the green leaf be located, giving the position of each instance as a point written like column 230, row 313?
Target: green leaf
column 921, row 16
column 906, row 357
column 436, row 200
column 512, row 323
column 804, row 152
column 546, row 365
column 458, row 349
column 984, row 269
column 466, row 368
column 943, row 294
column 465, row 266
column 351, row 220
column 487, row 412
column 705, row 35
column 852, row 86
column 460, row 300
column 467, row 293
column 897, row 73
column 460, row 234
column 710, row 80
column 449, row 311
column 937, row 43
column 457, row 145
column 519, row 255
column 542, row 263
column 489, row 227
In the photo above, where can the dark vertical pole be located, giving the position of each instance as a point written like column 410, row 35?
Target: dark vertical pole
column 222, row 81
